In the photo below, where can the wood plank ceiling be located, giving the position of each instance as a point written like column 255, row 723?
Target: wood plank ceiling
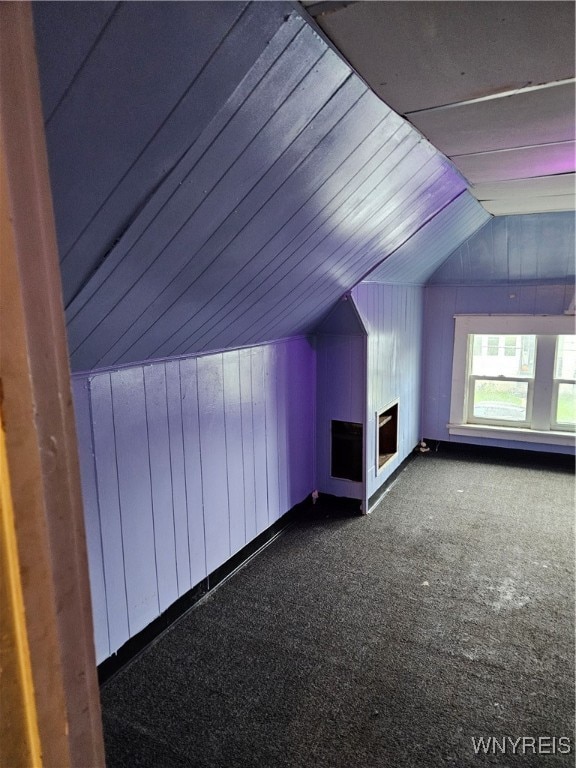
column 490, row 84
column 220, row 176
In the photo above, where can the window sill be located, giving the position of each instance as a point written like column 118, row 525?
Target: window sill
column 512, row 433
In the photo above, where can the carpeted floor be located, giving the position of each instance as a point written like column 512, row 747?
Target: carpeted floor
column 386, row 640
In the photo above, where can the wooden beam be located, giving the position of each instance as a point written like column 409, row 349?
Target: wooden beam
column 39, row 420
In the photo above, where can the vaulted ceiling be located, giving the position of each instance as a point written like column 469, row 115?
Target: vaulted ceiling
column 221, row 176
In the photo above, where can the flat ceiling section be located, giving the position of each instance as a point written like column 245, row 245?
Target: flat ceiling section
column 417, row 55
column 531, row 205
column 475, row 79
column 542, row 116
column 523, row 163
column 539, row 186
column 534, row 195
column 245, row 180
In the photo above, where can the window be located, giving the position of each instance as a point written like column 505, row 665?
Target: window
column 492, row 345
column 564, row 396
column 514, row 377
column 511, row 346
column 500, row 388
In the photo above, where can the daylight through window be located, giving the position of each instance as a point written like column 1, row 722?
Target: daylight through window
column 522, row 378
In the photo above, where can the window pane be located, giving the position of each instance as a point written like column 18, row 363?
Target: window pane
column 566, row 408
column 510, row 346
column 566, row 357
column 492, row 346
column 511, row 356
column 500, row 400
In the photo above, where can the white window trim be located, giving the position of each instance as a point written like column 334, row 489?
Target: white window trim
column 538, row 325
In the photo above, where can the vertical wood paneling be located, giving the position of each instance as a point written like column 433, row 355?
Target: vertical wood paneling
column 179, row 500
column 273, row 414
column 245, row 363
column 283, row 458
column 81, row 394
column 511, row 249
column 341, row 388
column 192, row 459
column 234, row 450
column 259, row 433
column 193, row 470
column 161, row 483
column 393, row 315
column 130, row 427
column 213, row 454
column 109, row 502
column 300, row 372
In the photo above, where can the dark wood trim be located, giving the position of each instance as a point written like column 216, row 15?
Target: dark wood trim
column 39, row 420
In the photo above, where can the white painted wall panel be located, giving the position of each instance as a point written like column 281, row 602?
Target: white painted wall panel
column 182, row 464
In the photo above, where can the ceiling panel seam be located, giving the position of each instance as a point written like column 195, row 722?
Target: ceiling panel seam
column 282, row 253
column 493, row 96
column 215, row 257
column 82, row 64
column 141, row 153
column 100, row 286
column 343, row 74
column 420, row 227
column 285, row 222
column 149, row 212
column 512, row 149
column 374, row 204
column 372, row 244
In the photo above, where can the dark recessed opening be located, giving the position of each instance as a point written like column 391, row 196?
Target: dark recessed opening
column 347, row 450
column 387, row 434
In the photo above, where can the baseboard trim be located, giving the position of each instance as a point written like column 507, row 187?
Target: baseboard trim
column 137, row 644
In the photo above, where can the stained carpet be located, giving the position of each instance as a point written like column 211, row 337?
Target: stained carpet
column 393, row 639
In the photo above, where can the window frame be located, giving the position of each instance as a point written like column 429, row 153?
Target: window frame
column 556, row 382
column 540, row 425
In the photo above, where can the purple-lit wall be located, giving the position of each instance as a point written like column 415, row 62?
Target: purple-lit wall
column 442, row 302
column 183, row 463
column 341, row 371
column 392, row 315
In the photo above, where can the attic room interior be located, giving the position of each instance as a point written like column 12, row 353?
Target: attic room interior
column 288, row 376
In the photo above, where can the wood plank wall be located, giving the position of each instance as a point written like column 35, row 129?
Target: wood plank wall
column 183, row 463
column 392, row 315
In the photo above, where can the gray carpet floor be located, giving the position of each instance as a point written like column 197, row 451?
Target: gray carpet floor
column 392, row 639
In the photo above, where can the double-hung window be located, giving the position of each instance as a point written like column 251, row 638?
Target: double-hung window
column 514, row 377
column 564, row 387
column 500, row 379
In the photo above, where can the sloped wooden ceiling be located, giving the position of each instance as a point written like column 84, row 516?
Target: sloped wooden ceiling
column 419, row 257
column 533, row 248
column 220, row 176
